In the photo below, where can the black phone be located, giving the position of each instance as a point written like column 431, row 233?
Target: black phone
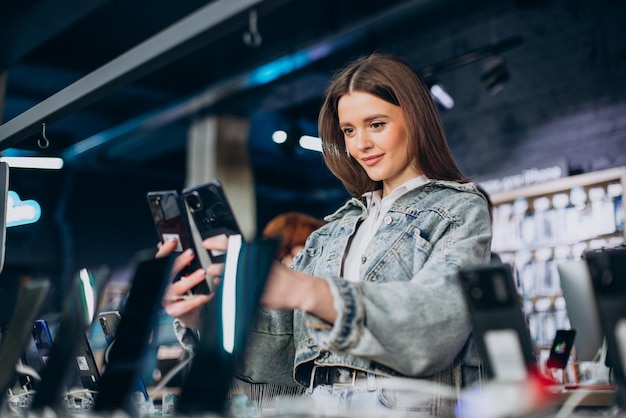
column 109, row 321
column 171, row 219
column 139, row 321
column 499, row 325
column 561, row 348
column 87, row 368
column 211, row 213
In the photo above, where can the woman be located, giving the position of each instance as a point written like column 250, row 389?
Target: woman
column 374, row 293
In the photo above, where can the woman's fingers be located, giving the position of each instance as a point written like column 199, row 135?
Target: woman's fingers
column 186, row 283
column 182, row 261
column 217, row 242
column 182, row 308
column 165, row 248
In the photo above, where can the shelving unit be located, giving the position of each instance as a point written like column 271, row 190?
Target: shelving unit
column 537, row 226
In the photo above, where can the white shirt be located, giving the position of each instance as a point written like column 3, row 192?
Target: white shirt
column 377, row 207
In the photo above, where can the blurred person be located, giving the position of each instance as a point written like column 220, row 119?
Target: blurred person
column 292, row 228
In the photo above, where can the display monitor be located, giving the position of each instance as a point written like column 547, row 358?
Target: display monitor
column 4, row 193
column 582, row 308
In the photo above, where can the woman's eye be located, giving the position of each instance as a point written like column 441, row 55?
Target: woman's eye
column 347, row 131
column 378, row 125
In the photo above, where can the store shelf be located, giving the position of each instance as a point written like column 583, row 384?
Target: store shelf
column 537, row 226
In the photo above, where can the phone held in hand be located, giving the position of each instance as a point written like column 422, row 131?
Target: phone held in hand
column 211, row 213
column 172, row 222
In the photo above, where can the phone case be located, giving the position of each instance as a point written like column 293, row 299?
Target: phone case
column 211, row 212
column 172, row 221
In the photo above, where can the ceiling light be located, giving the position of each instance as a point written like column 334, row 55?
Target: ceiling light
column 279, row 137
column 311, row 143
column 441, row 96
column 47, row 163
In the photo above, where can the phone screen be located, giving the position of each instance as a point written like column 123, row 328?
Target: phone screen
column 561, row 348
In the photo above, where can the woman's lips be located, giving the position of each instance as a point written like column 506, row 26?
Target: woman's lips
column 369, row 161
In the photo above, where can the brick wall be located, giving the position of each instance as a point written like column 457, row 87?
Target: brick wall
column 566, row 98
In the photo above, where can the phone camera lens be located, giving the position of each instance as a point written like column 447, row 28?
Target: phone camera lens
column 105, row 328
column 193, row 201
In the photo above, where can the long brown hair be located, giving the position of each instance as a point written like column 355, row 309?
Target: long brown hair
column 394, row 81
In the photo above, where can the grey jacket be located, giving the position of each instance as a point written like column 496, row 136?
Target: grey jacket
column 407, row 316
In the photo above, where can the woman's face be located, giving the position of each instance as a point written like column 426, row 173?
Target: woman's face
column 376, row 136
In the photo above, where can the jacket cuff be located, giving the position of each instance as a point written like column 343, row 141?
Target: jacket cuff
column 346, row 332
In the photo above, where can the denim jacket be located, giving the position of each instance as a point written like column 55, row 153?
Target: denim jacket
column 407, row 315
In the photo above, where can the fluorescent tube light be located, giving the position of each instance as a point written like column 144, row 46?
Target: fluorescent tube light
column 47, row 163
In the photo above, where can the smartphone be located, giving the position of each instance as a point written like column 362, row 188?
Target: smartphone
column 86, row 365
column 499, row 325
column 109, row 321
column 138, row 322
column 211, row 213
column 561, row 348
column 172, row 221
column 42, row 335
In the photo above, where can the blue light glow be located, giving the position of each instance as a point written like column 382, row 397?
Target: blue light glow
column 21, row 212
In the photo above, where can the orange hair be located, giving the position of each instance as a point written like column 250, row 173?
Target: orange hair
column 292, row 228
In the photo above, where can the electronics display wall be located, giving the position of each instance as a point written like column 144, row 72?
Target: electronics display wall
column 537, row 226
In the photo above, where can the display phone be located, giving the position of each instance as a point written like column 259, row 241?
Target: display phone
column 499, row 325
column 211, row 213
column 86, row 365
column 109, row 321
column 171, row 219
column 42, row 335
column 139, row 321
column 561, row 348
column 607, row 268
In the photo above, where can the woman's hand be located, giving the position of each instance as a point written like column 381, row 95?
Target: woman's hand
column 181, row 304
column 178, row 301
column 290, row 289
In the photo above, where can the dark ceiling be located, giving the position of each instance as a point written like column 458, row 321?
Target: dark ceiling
column 139, row 119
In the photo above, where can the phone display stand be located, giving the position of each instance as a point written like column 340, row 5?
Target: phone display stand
column 226, row 325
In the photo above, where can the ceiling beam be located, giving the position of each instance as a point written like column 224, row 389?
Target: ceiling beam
column 281, row 66
column 166, row 46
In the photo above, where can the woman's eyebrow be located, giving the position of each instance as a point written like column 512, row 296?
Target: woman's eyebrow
column 366, row 119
